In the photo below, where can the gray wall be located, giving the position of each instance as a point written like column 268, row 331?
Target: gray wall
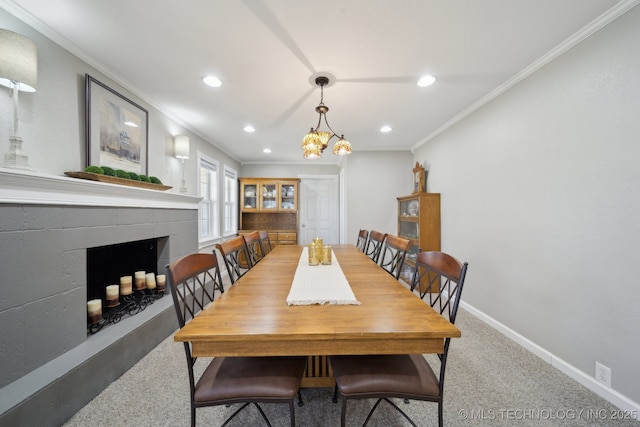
column 540, row 194
column 373, row 181
column 269, row 170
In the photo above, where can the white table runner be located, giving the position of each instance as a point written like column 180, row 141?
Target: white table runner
column 320, row 284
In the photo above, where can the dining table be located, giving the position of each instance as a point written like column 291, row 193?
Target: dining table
column 253, row 318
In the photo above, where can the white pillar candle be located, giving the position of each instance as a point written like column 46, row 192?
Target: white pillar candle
column 151, row 280
column 94, row 307
column 161, row 280
column 113, row 291
column 112, row 295
column 125, row 285
column 140, row 279
column 94, row 311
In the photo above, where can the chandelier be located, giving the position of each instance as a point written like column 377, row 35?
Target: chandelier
column 316, row 141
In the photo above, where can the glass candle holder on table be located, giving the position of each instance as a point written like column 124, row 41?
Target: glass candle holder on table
column 314, row 254
column 326, row 255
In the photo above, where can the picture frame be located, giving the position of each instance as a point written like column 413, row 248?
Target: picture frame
column 419, row 179
column 117, row 129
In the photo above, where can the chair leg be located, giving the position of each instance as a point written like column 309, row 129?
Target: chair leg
column 193, row 416
column 343, row 413
column 292, row 411
column 371, row 412
column 440, row 422
column 335, row 394
column 300, row 401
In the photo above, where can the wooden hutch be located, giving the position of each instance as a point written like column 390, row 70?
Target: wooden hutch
column 270, row 204
column 419, row 221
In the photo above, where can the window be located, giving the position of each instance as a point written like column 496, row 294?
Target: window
column 230, row 220
column 208, row 223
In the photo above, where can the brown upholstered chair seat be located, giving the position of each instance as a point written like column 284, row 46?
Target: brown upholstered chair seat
column 406, row 376
column 230, row 380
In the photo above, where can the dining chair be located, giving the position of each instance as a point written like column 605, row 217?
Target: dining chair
column 405, row 376
column 193, row 280
column 374, row 245
column 254, row 247
column 393, row 254
column 265, row 241
column 361, row 243
column 236, row 257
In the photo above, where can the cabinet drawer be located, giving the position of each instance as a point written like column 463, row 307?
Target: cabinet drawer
column 287, row 238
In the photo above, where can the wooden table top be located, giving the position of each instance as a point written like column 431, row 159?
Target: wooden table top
column 252, row 317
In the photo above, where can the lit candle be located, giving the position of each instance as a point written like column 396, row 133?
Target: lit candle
column 112, row 295
column 94, row 311
column 125, row 285
column 140, row 279
column 151, row 281
column 161, row 280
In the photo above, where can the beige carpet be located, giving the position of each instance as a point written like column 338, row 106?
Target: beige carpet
column 490, row 381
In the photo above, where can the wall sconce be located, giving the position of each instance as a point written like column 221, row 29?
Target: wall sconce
column 181, row 151
column 19, row 72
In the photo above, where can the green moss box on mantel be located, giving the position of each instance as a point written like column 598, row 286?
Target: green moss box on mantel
column 110, row 176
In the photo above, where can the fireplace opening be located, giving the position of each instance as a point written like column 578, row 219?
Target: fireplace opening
column 106, row 264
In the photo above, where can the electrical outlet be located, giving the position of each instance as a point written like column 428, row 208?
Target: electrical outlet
column 603, row 374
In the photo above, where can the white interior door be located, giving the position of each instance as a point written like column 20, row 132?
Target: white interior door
column 319, row 209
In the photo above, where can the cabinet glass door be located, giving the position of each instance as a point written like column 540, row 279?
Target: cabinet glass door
column 410, row 207
column 408, row 229
column 288, row 196
column 249, row 193
column 269, row 196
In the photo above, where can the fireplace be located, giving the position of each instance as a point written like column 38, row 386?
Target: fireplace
column 49, row 225
column 110, row 272
column 106, row 264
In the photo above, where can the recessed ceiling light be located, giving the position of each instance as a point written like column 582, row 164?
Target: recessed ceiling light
column 249, row 129
column 426, row 81
column 212, row 81
column 386, row 129
column 266, row 151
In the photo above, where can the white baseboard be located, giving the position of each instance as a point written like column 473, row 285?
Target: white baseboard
column 611, row 395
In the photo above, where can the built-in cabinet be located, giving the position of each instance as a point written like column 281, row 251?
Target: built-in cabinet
column 418, row 221
column 270, row 204
column 269, row 195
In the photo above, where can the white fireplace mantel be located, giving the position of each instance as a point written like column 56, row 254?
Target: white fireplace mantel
column 25, row 187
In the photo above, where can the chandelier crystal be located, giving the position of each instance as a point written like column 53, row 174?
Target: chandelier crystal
column 316, row 141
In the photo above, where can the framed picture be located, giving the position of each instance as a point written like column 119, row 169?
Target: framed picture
column 419, row 179
column 117, row 129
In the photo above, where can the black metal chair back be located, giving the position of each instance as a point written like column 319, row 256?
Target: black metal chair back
column 236, row 257
column 265, row 241
column 254, row 247
column 361, row 243
column 393, row 254
column 374, row 245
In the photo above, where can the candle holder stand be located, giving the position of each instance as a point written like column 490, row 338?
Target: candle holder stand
column 131, row 305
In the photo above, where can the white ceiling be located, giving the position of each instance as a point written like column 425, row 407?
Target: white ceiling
column 266, row 53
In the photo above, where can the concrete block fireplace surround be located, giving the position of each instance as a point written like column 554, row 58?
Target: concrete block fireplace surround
column 51, row 367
